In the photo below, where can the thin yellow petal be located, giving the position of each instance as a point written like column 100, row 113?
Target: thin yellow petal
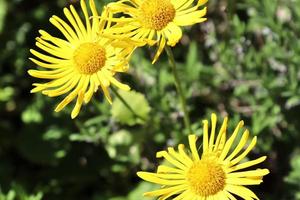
column 192, row 143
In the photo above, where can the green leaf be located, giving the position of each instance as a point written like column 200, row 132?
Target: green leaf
column 121, row 143
column 143, row 187
column 17, row 192
column 32, row 114
column 7, row 92
column 294, row 175
column 137, row 102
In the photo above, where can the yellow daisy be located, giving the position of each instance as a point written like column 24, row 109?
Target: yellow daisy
column 158, row 20
column 218, row 174
column 82, row 62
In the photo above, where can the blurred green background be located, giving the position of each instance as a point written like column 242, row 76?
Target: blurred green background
column 243, row 62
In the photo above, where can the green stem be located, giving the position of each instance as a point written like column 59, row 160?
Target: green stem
column 179, row 89
column 126, row 104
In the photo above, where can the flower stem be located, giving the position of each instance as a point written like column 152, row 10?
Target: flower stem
column 179, row 89
column 126, row 104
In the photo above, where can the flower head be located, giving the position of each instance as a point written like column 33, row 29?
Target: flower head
column 82, row 62
column 158, row 20
column 217, row 174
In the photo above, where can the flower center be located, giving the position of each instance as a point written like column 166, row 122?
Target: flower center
column 156, row 14
column 206, row 178
column 89, row 58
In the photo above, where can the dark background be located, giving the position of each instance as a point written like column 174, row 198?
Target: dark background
column 243, row 62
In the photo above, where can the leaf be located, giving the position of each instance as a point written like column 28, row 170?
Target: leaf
column 6, row 93
column 143, row 187
column 294, row 175
column 17, row 192
column 32, row 114
column 137, row 102
column 292, row 102
column 122, row 143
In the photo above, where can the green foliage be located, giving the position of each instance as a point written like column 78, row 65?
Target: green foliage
column 137, row 102
column 242, row 62
column 294, row 176
column 18, row 193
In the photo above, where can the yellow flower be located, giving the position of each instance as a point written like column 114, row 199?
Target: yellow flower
column 158, row 20
column 82, row 62
column 217, row 174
